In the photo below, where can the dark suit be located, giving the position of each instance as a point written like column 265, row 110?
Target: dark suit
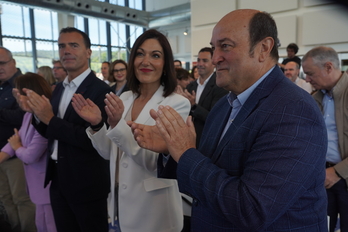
column 125, row 88
column 210, row 95
column 81, row 175
column 267, row 173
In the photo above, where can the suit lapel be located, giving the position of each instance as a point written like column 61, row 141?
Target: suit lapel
column 262, row 91
column 153, row 103
column 56, row 97
column 210, row 143
column 207, row 88
column 81, row 90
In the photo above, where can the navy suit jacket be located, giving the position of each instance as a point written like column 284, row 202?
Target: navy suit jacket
column 83, row 174
column 267, row 173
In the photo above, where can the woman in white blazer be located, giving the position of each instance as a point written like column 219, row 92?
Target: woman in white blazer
column 142, row 201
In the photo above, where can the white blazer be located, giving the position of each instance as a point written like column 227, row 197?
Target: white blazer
column 146, row 203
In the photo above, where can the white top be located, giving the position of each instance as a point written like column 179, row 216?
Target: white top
column 200, row 87
column 145, row 203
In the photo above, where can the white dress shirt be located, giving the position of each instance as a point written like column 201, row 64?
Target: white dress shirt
column 68, row 92
column 201, row 87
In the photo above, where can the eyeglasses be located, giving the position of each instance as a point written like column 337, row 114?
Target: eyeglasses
column 119, row 70
column 2, row 63
column 57, row 68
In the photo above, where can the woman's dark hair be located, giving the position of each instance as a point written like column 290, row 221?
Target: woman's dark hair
column 168, row 79
column 111, row 69
column 182, row 74
column 34, row 82
column 193, row 71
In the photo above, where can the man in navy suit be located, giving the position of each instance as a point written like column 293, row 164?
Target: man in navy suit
column 260, row 163
column 80, row 177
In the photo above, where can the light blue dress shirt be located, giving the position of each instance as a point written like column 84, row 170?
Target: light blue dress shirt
column 237, row 101
column 333, row 154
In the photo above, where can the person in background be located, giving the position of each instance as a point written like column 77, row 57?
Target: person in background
column 79, row 176
column 291, row 50
column 13, row 193
column 182, row 77
column 141, row 201
column 194, row 73
column 30, row 147
column 46, row 72
column 291, row 71
column 177, row 64
column 117, row 75
column 322, row 68
column 203, row 93
column 59, row 71
column 105, row 72
column 260, row 163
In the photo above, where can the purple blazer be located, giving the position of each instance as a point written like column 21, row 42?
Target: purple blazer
column 33, row 153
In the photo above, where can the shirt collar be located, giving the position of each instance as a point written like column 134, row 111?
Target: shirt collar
column 242, row 97
column 78, row 80
column 206, row 81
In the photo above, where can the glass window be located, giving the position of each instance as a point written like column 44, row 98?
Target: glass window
column 136, row 4
column 135, row 32
column 79, row 23
column 117, row 2
column 45, row 24
column 119, row 53
column 97, row 31
column 99, row 54
column 15, row 21
column 22, row 53
column 118, row 34
column 17, row 37
column 46, row 52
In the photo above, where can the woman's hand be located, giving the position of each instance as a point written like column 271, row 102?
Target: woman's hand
column 21, row 100
column 15, row 140
column 114, row 109
column 86, row 109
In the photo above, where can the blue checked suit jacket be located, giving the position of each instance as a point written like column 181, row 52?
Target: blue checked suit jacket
column 267, row 173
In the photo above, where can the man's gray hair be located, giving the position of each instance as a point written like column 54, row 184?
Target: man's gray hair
column 321, row 55
column 9, row 53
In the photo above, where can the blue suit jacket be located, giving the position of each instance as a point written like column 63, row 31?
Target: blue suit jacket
column 267, row 173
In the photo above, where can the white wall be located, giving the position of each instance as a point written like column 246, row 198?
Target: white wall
column 308, row 23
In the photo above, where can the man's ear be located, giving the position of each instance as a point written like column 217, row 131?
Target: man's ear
column 265, row 48
column 328, row 66
column 89, row 53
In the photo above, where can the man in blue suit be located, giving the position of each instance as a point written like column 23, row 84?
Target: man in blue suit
column 260, row 164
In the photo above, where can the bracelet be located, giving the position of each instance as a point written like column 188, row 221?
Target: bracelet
column 98, row 126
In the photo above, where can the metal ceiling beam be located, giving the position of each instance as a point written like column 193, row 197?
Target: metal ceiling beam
column 91, row 8
column 112, row 12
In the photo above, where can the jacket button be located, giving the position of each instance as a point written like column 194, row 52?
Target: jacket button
column 125, row 165
column 124, row 186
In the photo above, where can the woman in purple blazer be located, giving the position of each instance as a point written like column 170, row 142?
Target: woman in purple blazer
column 29, row 146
